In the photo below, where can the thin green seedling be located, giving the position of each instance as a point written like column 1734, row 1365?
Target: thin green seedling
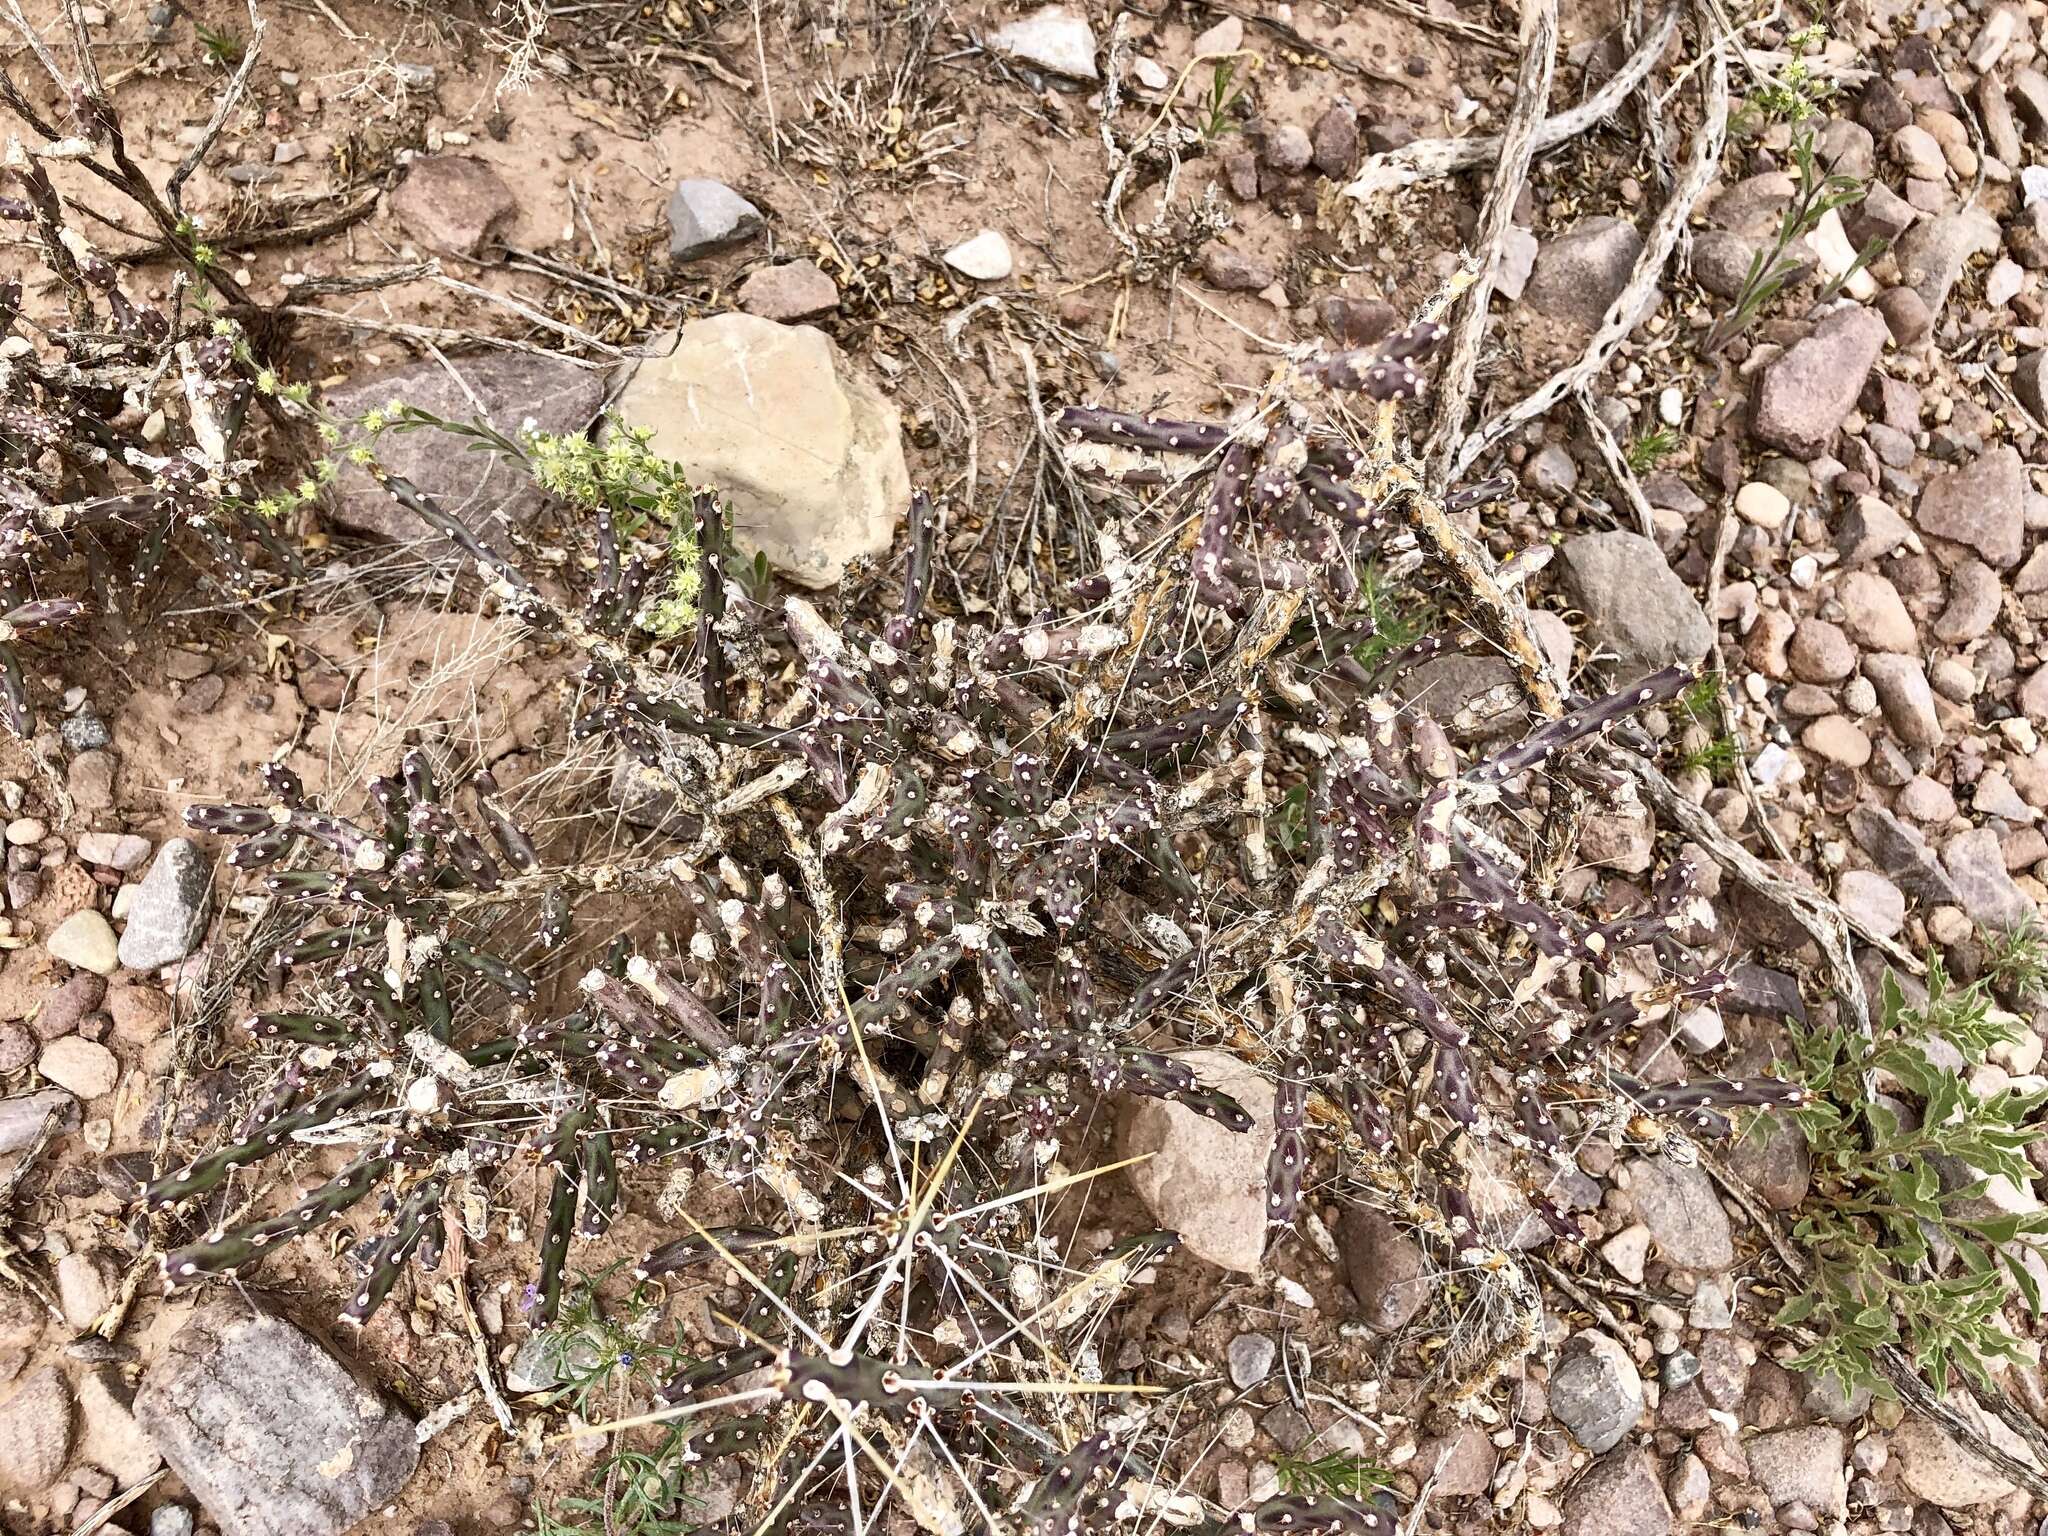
column 1773, row 268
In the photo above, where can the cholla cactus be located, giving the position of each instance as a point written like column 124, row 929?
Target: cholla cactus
column 987, row 876
column 440, row 1107
column 115, row 420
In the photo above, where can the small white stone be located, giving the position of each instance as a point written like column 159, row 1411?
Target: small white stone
column 1764, row 505
column 1671, row 406
column 985, row 258
column 1149, row 74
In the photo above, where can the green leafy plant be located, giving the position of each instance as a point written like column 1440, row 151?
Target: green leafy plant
column 1399, row 616
column 1701, row 706
column 631, row 491
column 1795, row 93
column 1815, row 195
column 1219, row 102
column 1340, row 1473
column 608, row 1354
column 1909, row 1249
column 2018, row 961
column 222, row 46
column 1652, row 449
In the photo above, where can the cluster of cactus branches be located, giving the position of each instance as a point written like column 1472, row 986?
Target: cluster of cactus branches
column 119, row 422
column 989, row 879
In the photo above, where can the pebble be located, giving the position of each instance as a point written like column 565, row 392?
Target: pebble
column 1250, row 1358
column 84, row 731
column 707, row 216
column 1052, row 38
column 793, row 290
column 115, row 850
column 1764, row 505
column 79, row 1066
column 86, row 940
column 1595, row 1390
column 985, row 257
column 168, row 916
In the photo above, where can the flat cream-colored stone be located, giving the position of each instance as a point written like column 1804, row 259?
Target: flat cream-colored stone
column 803, row 449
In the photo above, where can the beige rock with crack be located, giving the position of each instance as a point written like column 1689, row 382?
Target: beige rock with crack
column 803, row 448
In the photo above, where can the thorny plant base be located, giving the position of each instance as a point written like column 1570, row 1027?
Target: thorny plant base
column 941, row 866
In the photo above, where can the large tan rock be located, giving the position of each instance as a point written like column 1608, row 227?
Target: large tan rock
column 1204, row 1180
column 804, row 450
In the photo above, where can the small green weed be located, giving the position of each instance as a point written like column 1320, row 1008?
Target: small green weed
column 1652, row 449
column 646, row 495
column 603, row 1357
column 1899, row 1261
column 1214, row 117
column 223, row 47
column 2018, row 961
column 1399, row 615
column 1339, row 1473
column 1816, row 194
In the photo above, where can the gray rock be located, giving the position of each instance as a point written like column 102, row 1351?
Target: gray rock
column 1336, row 142
column 1676, row 1202
column 454, row 204
column 35, row 1433
column 2030, row 380
column 544, row 1354
column 167, row 919
column 1551, row 472
column 108, row 1435
column 1871, row 900
column 648, row 800
column 1721, row 261
column 85, row 731
column 79, row 1066
column 1384, row 1266
column 1973, row 598
column 1619, row 1495
column 1051, row 37
column 270, row 1432
column 116, row 850
column 170, row 1520
column 1755, row 206
column 1801, row 1466
column 1517, row 261
column 1869, row 530
column 1976, row 866
column 1250, row 1357
column 1580, row 273
column 1931, row 254
column 22, row 1117
column 706, row 216
column 1234, row 271
column 1633, row 604
column 1595, row 1390
column 1802, row 396
column 806, row 452
column 1204, row 1180
column 1907, row 701
column 480, row 489
column 985, row 257
column 1286, row 148
column 1902, row 854
column 1981, row 505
